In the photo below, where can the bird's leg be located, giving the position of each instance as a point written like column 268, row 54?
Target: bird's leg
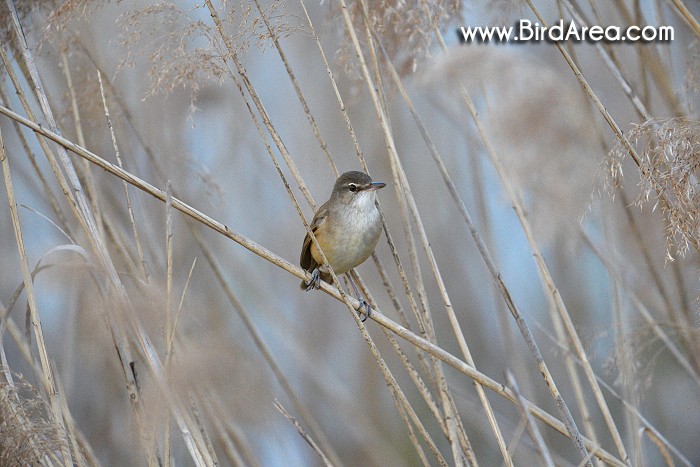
column 315, row 280
column 363, row 302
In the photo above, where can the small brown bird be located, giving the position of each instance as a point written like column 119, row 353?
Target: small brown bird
column 347, row 227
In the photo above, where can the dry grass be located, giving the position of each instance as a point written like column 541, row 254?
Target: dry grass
column 517, row 320
column 670, row 155
column 28, row 434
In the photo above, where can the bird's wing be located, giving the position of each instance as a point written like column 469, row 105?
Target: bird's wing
column 306, row 260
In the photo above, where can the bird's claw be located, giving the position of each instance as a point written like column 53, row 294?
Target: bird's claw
column 314, row 281
column 367, row 309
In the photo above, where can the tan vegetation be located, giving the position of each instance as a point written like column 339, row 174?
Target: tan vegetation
column 535, row 291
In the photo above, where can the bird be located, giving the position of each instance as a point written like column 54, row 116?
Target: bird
column 347, row 227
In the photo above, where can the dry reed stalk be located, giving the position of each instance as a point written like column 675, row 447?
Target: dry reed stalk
column 643, row 310
column 299, row 406
column 48, row 194
column 685, row 14
column 611, row 63
column 169, row 325
column 634, row 411
column 79, row 207
column 653, row 63
column 232, row 56
column 411, row 370
column 233, row 455
column 268, row 255
column 626, row 362
column 90, row 189
column 242, row 313
column 397, row 392
column 458, row 440
column 433, row 150
column 336, row 91
column 305, row 436
column 531, row 425
column 428, row 376
column 203, row 246
column 575, row 435
column 207, row 446
column 302, row 100
column 127, row 197
column 46, row 374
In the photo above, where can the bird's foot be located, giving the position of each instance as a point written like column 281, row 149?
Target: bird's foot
column 315, row 280
column 367, row 309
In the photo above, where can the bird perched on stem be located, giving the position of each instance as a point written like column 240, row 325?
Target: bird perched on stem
column 347, row 227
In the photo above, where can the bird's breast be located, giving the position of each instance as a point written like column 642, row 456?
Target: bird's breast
column 353, row 234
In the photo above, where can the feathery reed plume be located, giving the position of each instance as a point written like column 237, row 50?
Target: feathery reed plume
column 189, row 52
column 406, row 29
column 162, row 362
column 176, row 58
column 27, row 435
column 534, row 116
column 670, row 164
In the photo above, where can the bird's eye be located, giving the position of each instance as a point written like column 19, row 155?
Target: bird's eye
column 352, row 187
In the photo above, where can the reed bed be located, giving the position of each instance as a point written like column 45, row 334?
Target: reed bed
column 534, row 294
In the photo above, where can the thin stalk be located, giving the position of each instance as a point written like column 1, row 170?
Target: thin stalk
column 625, row 363
column 48, row 193
column 412, row 372
column 231, row 451
column 90, row 189
column 684, row 13
column 658, row 330
column 542, row 266
column 400, row 177
column 233, row 57
column 324, row 148
column 306, row 415
column 611, row 64
column 678, row 319
column 653, row 63
column 80, row 209
column 46, row 373
column 243, row 314
column 71, row 429
column 522, row 325
column 426, row 396
column 304, row 435
column 271, row 257
column 169, row 328
column 402, row 274
column 336, row 91
column 203, row 432
column 20, row 340
column 302, row 100
column 396, row 391
column 530, row 422
column 646, row 424
column 117, row 154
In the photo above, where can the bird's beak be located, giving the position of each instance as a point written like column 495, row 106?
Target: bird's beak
column 374, row 186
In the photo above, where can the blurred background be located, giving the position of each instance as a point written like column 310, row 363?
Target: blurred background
column 538, row 167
